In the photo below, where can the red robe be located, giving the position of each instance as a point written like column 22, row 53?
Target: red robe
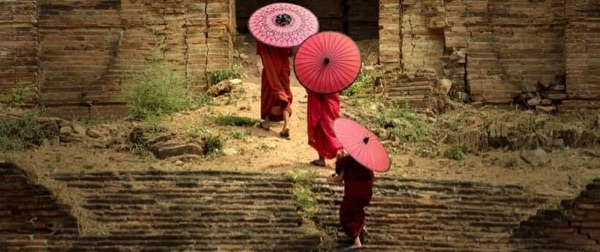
column 358, row 191
column 275, row 82
column 322, row 110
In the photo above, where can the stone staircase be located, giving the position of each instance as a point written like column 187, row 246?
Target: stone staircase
column 576, row 224
column 180, row 211
column 420, row 215
column 29, row 214
column 229, row 211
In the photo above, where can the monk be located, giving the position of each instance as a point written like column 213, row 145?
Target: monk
column 358, row 190
column 322, row 110
column 276, row 95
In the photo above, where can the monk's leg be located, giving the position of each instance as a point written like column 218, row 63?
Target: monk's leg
column 285, row 132
column 286, row 119
column 357, row 243
column 267, row 122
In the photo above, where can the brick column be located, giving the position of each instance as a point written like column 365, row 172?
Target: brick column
column 389, row 34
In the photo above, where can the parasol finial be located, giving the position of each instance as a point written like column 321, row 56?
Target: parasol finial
column 326, row 60
column 283, row 19
column 366, row 140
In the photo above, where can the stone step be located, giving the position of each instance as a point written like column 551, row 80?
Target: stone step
column 276, row 206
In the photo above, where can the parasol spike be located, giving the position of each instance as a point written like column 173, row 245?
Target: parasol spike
column 326, row 60
column 366, row 140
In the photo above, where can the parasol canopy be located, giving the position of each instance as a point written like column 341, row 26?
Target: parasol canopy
column 361, row 144
column 283, row 24
column 327, row 62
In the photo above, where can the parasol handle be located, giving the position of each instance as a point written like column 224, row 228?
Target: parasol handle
column 326, row 60
column 366, row 140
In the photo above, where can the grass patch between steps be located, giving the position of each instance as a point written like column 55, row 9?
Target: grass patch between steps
column 303, row 183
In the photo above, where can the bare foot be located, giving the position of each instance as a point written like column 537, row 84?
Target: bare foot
column 318, row 162
column 285, row 133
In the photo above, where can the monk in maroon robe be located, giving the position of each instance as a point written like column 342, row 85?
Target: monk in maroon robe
column 358, row 191
column 322, row 110
column 276, row 95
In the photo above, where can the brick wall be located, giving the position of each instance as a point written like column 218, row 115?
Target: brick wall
column 18, row 43
column 582, row 49
column 499, row 51
column 88, row 50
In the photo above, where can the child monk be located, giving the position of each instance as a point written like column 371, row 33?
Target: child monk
column 276, row 95
column 358, row 190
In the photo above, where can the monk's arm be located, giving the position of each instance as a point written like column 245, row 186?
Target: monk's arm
column 336, row 179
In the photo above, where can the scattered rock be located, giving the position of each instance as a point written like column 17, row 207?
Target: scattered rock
column 474, row 139
column 458, row 56
column 498, row 135
column 66, row 130
column 229, row 152
column 446, row 85
column 58, row 121
column 98, row 145
column 588, row 138
column 93, row 133
column 236, row 82
column 558, row 88
column 431, row 119
column 221, row 88
column 546, row 109
column 243, row 56
column 557, row 96
column 569, row 135
column 535, row 157
column 534, row 101
column 162, row 151
column 544, row 83
column 558, row 143
column 474, row 122
column 179, row 163
column 66, row 135
column 590, row 153
column 546, row 102
column 78, row 129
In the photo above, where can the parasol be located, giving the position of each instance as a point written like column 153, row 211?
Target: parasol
column 361, row 144
column 327, row 62
column 283, row 24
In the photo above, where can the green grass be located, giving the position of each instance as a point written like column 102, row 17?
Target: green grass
column 303, row 185
column 212, row 144
column 363, row 84
column 234, row 120
column 20, row 133
column 239, row 135
column 226, row 74
column 159, row 91
column 18, row 95
column 403, row 123
column 456, row 152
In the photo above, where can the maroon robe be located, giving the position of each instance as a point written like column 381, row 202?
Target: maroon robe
column 276, row 95
column 322, row 110
column 358, row 191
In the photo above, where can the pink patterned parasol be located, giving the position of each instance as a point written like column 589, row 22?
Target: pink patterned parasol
column 283, row 24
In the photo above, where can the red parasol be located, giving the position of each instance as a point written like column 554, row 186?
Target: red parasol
column 327, row 62
column 283, row 24
column 361, row 144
